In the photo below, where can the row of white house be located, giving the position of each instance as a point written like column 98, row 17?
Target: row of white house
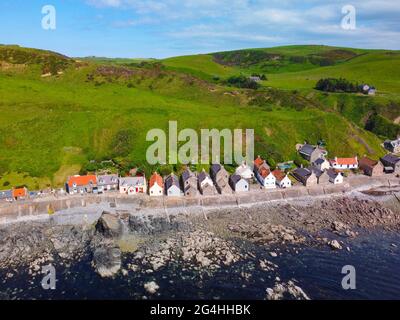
column 218, row 181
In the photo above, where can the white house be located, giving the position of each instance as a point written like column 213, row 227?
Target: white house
column 156, row 185
column 107, row 182
column 172, row 186
column 266, row 178
column 365, row 87
column 344, row 163
column 282, row 179
column 239, row 184
column 322, row 164
column 335, row 177
column 132, row 185
column 244, row 171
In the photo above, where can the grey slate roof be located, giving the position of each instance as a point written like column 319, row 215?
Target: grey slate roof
column 171, row 180
column 332, row 173
column 235, row 178
column 302, row 172
column 109, row 179
column 307, row 149
column 132, row 181
column 202, row 176
column 393, row 143
column 215, row 168
column 316, row 171
column 391, row 159
column 187, row 174
column 5, row 194
column 319, row 161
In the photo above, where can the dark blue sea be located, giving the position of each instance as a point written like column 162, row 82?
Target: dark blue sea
column 317, row 270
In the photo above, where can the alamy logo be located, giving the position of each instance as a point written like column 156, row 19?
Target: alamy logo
column 349, row 20
column 49, row 20
column 49, row 280
column 349, row 281
column 191, row 149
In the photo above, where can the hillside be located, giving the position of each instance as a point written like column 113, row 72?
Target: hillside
column 53, row 125
column 300, row 67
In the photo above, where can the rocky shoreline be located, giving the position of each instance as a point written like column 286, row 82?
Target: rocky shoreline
column 134, row 243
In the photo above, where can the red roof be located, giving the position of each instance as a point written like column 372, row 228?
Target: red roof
column 19, row 192
column 345, row 161
column 264, row 172
column 258, row 162
column 82, row 180
column 156, row 178
column 367, row 162
column 279, row 175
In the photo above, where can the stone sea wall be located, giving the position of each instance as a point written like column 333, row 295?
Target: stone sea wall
column 19, row 210
column 24, row 209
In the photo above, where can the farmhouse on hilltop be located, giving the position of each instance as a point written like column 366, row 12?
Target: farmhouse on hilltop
column 81, row 184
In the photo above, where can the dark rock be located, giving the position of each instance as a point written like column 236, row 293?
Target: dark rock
column 151, row 225
column 109, row 225
column 107, row 261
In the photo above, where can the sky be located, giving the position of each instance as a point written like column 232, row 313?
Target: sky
column 164, row 28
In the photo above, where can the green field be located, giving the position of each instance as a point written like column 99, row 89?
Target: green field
column 98, row 109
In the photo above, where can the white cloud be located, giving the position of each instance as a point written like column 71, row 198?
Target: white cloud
column 261, row 20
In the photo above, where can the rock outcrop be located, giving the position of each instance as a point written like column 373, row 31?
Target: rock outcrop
column 110, row 225
column 107, row 261
column 286, row 291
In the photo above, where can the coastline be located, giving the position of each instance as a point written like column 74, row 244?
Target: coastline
column 37, row 209
column 115, row 246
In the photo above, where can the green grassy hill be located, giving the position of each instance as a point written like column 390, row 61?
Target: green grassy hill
column 53, row 125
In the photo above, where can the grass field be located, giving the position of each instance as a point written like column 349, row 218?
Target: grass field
column 52, row 126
